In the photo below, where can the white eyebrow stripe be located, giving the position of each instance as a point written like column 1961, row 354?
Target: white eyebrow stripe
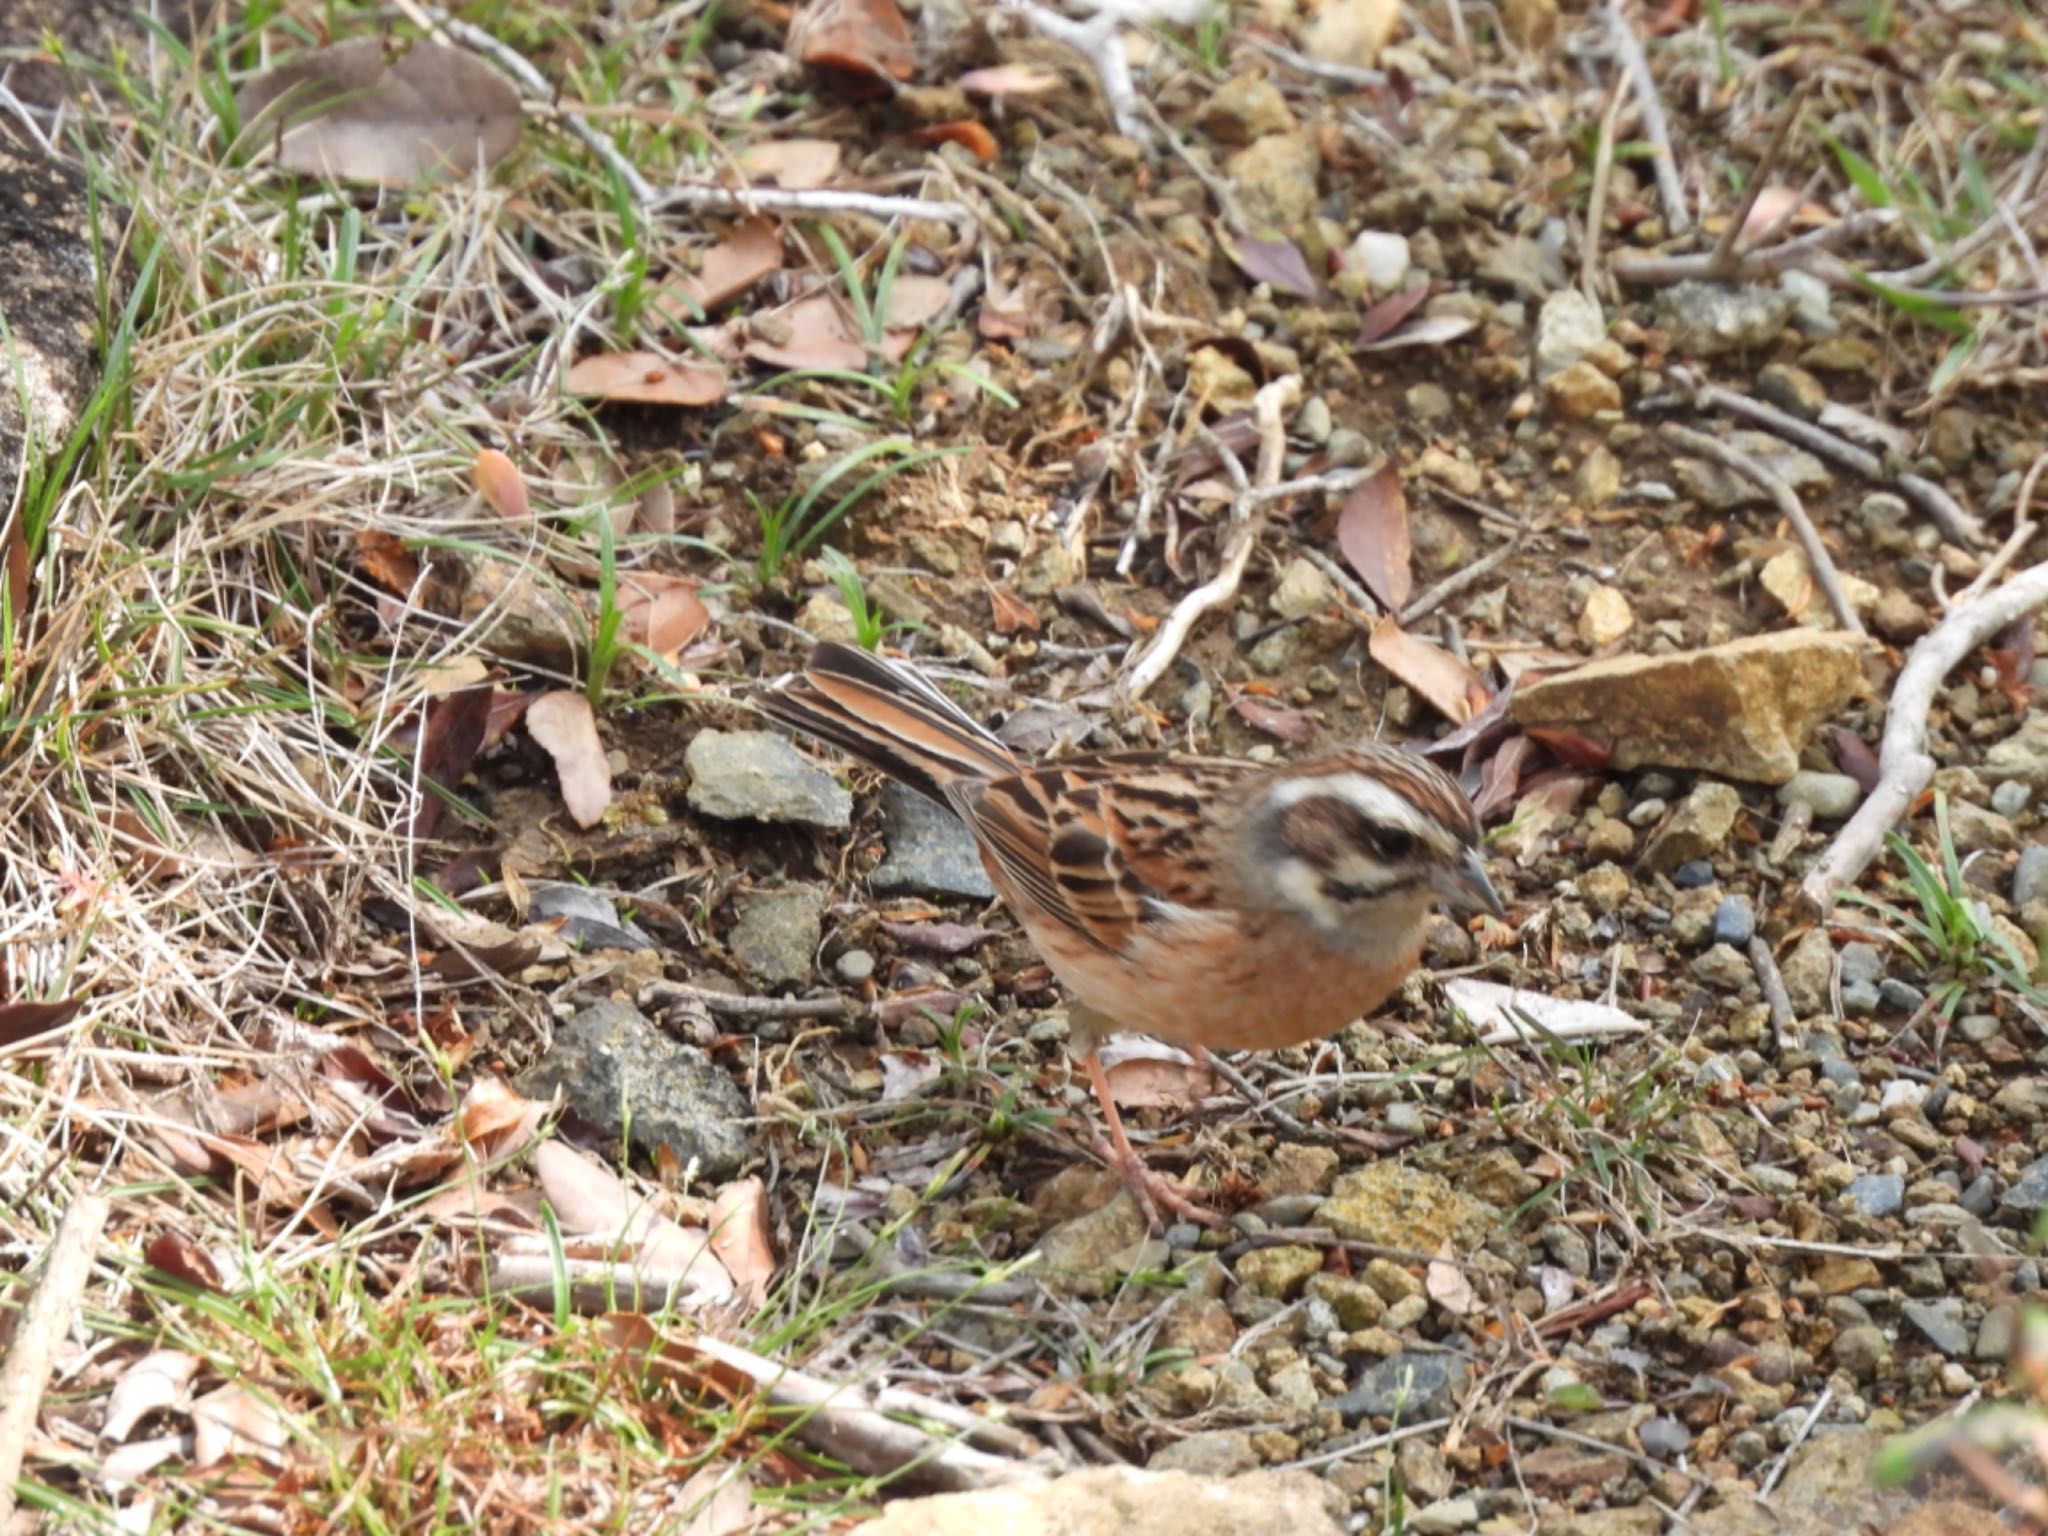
column 1375, row 801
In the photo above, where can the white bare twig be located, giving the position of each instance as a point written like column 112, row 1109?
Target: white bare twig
column 25, row 1374
column 1099, row 41
column 1629, row 50
column 1904, row 766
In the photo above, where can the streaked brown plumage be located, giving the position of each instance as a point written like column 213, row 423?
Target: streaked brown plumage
column 1219, row 904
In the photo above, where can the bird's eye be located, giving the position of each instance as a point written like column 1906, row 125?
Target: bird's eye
column 1392, row 844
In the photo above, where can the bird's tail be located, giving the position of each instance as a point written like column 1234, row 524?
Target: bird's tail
column 889, row 717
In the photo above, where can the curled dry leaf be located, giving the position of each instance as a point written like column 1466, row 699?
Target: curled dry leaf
column 816, row 332
column 1148, row 1074
column 1012, row 615
column 562, row 723
column 663, row 613
column 386, row 561
column 233, row 1421
column 792, row 164
column 170, row 1254
column 741, row 1239
column 728, row 269
column 863, row 44
column 496, row 1120
column 501, row 485
column 966, row 132
column 1385, row 317
column 592, row 1201
column 1422, row 331
column 1277, row 263
column 1372, row 530
column 1447, row 1286
column 1290, row 725
column 350, row 112
column 646, row 378
column 1451, row 686
column 159, row 1380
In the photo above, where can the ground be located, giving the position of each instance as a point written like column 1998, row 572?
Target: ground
column 418, row 941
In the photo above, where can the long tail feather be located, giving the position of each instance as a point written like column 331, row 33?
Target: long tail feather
column 890, row 718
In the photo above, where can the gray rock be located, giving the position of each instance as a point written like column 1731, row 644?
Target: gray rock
column 1863, row 1351
column 1811, row 298
column 777, row 933
column 2023, row 755
column 1876, row 1194
column 1734, row 921
column 1568, row 327
column 1725, row 968
column 2030, row 878
column 1302, row 590
column 1724, row 491
column 1996, row 1333
column 1413, row 1384
column 1445, row 1515
column 1830, row 796
column 1707, row 319
column 620, row 1071
column 1807, row 970
column 1862, row 969
column 1897, row 996
column 1699, row 827
column 1214, row 1453
column 2010, row 798
column 1665, row 1437
column 929, row 850
column 760, row 776
column 1940, row 1324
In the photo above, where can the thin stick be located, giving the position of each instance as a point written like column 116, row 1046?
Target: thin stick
column 1595, row 1443
column 1097, row 39
column 1596, row 204
column 1361, row 1447
column 25, row 1375
column 2022, row 531
column 1355, row 594
column 714, row 199
column 1670, row 190
column 1806, row 1424
column 1904, row 767
column 1456, row 582
column 1724, row 251
column 1788, row 503
column 733, row 1005
column 1783, row 1020
column 1221, row 589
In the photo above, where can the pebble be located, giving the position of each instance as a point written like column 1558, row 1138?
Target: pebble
column 1382, row 257
column 1876, row 1194
column 1415, row 1384
column 1830, row 796
column 2030, row 878
column 1711, row 318
column 760, row 776
column 1693, row 874
column 1734, row 921
column 1313, row 423
column 1445, row 1515
column 856, row 965
column 1862, row 967
column 1663, row 1437
column 1724, row 968
column 777, row 933
column 1610, row 840
column 1568, row 327
column 929, row 850
column 2010, row 798
column 1995, row 1333
column 1700, row 826
column 1863, row 1351
column 2029, row 1191
column 1939, row 1324
column 1897, row 996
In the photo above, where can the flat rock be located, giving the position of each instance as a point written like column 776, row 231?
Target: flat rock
column 1406, row 1208
column 1827, row 1490
column 1121, row 1500
column 624, row 1074
column 777, row 933
column 1415, row 1384
column 761, row 776
column 929, row 850
column 1742, row 710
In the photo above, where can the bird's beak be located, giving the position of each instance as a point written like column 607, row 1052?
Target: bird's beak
column 1466, row 888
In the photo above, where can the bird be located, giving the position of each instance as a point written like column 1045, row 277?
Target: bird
column 1215, row 903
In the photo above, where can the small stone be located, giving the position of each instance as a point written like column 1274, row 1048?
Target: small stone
column 1734, row 921
column 1863, row 1351
column 1723, row 490
column 1896, row 996
column 1568, row 327
column 1581, row 392
column 1692, row 915
column 929, row 850
column 1245, row 108
column 1724, row 969
column 1793, row 389
column 760, row 776
column 1462, row 1512
column 1807, row 970
column 1995, row 1335
column 1606, row 617
column 1350, row 32
column 1313, row 422
column 1213, row 1453
column 2009, row 799
column 1413, row 1384
column 824, row 617
column 778, row 932
column 1357, row 1305
column 1303, row 589
column 1597, row 480
column 1939, row 1324
column 1707, row 319
column 1664, row 1437
column 1535, row 26
column 2024, row 1099
column 1862, row 966
column 2030, row 876
column 1610, row 840
column 1277, row 1272
column 1876, row 1194
column 1700, row 827
column 1898, row 618
column 1428, row 402
column 1409, row 1208
column 1276, row 178
column 1830, row 796
column 1843, row 354
column 1693, row 874
column 1605, row 886
column 1381, row 257
column 1812, row 302
column 1840, row 1274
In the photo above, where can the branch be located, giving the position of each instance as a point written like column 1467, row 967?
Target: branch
column 1904, row 767
column 25, row 1374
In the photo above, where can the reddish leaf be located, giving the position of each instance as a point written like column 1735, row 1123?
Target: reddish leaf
column 385, row 561
column 1573, row 749
column 563, row 724
column 866, row 43
column 1422, row 331
column 501, row 485
column 1854, row 757
column 1500, row 781
column 728, row 269
column 451, row 735
column 1372, row 530
column 966, row 132
column 792, row 164
column 1012, row 614
column 740, row 1237
column 2012, row 660
column 25, row 1018
column 1290, row 725
column 662, row 612
column 1385, row 317
column 646, row 378
column 171, row 1255
column 1457, row 692
column 1278, row 263
column 815, row 332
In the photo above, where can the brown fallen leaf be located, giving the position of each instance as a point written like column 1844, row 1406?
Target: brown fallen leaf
column 349, row 111
column 562, row 722
column 1450, row 685
column 662, row 612
column 172, row 1255
column 740, row 1237
column 386, row 561
column 717, row 1501
column 1447, row 1285
column 1290, row 725
column 1277, row 263
column 728, row 269
column 25, row 1018
column 1385, row 317
column 452, row 730
column 966, row 132
column 1147, row 1074
column 915, row 300
column 817, row 332
column 646, row 378
column 233, row 1421
column 863, row 44
column 792, row 164
column 501, row 485
column 1012, row 615
column 1372, row 531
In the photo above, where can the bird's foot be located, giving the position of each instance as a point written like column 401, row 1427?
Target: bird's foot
column 1153, row 1191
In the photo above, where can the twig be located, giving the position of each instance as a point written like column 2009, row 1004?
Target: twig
column 1281, row 1119
column 1654, row 269
column 1904, row 767
column 25, row 1375
column 705, row 197
column 1596, row 202
column 1465, row 576
column 1301, row 63
column 1957, row 526
column 668, row 993
column 1267, row 408
column 2022, row 531
column 1593, row 1442
column 1724, row 250
column 1788, row 503
column 1346, row 583
column 1362, row 1447
column 1820, row 1406
column 1627, row 48
column 1097, row 39
column 1783, row 1019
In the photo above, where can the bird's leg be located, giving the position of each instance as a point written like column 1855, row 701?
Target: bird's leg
column 1150, row 1189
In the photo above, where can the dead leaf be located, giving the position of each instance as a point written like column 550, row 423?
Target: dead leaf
column 1571, row 748
column 915, row 300
column 966, row 132
column 937, row 938
column 740, row 1237
column 1450, row 685
column 157, row 1381
column 662, row 612
column 1422, row 331
column 496, row 1120
column 906, row 1074
column 349, row 112
column 864, row 43
column 233, row 1421
column 1149, row 1074
column 386, row 561
column 728, row 269
column 501, row 485
column 1012, row 615
column 816, row 332
column 1854, row 757
column 718, row 1501
column 1277, row 263
column 792, row 164
column 1447, row 1286
column 1009, row 80
column 452, row 730
column 25, row 1018
column 1372, row 530
column 1385, row 317
column 170, row 1254
column 561, row 721
column 1290, row 725
column 1513, row 1016
column 646, row 378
